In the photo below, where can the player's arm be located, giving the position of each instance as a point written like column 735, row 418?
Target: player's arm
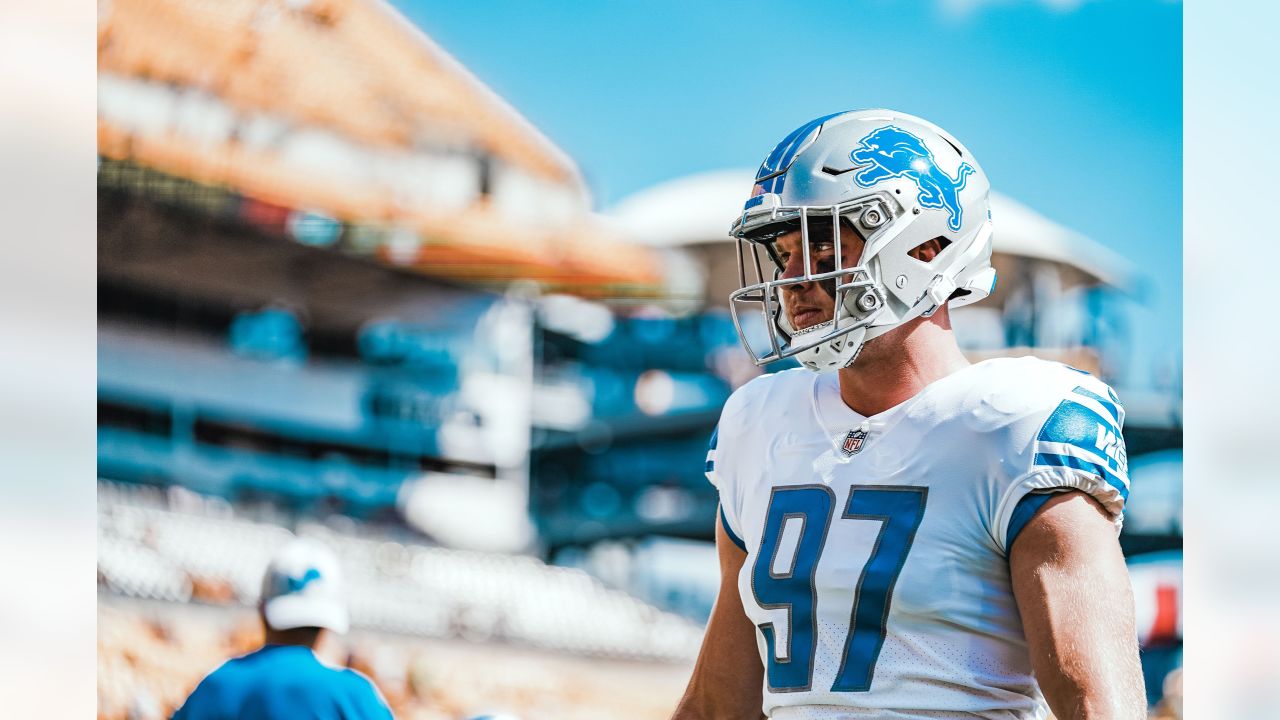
column 728, row 676
column 1073, row 592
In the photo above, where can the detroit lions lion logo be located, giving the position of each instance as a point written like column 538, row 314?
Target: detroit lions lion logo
column 288, row 585
column 892, row 152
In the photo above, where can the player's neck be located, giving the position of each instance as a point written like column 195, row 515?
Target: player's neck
column 894, row 367
column 303, row 637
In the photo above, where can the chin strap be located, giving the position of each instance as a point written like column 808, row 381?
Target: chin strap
column 938, row 292
column 829, row 355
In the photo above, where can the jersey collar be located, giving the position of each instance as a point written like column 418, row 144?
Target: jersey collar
column 837, row 418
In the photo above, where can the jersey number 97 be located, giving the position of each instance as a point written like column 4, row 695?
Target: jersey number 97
column 899, row 509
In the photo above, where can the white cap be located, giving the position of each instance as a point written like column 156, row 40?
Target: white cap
column 303, row 588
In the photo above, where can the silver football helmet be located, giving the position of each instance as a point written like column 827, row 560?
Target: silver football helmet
column 898, row 182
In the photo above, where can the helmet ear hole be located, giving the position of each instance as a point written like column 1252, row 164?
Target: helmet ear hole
column 929, row 250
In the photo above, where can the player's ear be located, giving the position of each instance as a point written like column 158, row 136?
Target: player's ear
column 928, row 250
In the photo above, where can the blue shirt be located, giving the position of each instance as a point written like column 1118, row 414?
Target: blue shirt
column 283, row 681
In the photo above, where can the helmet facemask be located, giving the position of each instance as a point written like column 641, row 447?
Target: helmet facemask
column 851, row 283
column 899, row 182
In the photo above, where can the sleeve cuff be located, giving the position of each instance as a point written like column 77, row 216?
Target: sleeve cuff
column 1026, row 509
column 733, row 536
column 1045, row 482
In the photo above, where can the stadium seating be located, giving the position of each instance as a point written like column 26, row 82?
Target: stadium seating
column 155, row 547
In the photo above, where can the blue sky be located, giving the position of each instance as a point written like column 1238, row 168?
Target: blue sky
column 1073, row 107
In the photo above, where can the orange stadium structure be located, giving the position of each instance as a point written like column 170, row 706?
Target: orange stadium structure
column 342, row 108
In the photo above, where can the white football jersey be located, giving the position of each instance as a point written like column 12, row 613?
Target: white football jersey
column 877, row 567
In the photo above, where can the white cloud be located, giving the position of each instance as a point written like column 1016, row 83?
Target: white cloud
column 966, row 8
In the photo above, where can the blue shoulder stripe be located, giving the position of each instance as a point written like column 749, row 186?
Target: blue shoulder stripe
column 729, row 531
column 1074, row 424
column 1111, row 406
column 1089, row 466
column 711, row 448
column 1112, row 394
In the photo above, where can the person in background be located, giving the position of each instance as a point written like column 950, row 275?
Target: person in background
column 302, row 601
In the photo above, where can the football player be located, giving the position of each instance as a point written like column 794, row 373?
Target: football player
column 903, row 534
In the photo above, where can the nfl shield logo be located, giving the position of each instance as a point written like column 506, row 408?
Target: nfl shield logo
column 853, row 441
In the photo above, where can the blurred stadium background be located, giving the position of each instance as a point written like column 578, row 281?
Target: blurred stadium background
column 407, row 331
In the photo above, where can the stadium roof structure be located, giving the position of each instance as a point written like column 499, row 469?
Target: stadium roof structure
column 697, row 210
column 344, row 109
